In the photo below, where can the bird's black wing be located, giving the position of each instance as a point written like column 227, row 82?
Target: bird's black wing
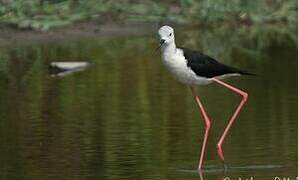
column 206, row 66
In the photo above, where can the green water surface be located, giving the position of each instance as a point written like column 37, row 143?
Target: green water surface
column 126, row 118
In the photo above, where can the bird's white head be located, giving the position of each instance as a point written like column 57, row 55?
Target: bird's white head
column 166, row 35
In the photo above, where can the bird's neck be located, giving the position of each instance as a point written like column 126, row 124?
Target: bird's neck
column 168, row 49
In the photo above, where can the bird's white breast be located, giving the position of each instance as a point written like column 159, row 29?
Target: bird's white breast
column 177, row 65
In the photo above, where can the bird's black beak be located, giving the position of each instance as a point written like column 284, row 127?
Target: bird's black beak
column 161, row 42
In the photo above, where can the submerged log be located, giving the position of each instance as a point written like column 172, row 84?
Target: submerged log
column 65, row 68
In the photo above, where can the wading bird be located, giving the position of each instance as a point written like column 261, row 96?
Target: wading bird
column 194, row 68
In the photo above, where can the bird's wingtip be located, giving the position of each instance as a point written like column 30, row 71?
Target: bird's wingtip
column 248, row 73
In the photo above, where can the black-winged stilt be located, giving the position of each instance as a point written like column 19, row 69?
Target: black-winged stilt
column 194, row 68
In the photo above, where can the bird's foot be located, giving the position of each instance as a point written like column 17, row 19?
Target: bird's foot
column 225, row 166
column 200, row 169
column 221, row 157
column 220, row 153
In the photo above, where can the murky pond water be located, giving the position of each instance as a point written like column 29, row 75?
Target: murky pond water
column 126, row 118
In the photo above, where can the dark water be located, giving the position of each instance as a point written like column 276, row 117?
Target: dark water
column 126, row 118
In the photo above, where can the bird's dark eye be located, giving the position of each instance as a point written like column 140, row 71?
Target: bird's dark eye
column 170, row 34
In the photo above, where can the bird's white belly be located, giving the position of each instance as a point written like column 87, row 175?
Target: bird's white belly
column 177, row 65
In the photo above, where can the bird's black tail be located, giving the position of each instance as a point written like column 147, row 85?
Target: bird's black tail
column 247, row 73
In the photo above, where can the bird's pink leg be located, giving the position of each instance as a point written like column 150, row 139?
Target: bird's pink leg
column 207, row 126
column 244, row 99
column 201, row 175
